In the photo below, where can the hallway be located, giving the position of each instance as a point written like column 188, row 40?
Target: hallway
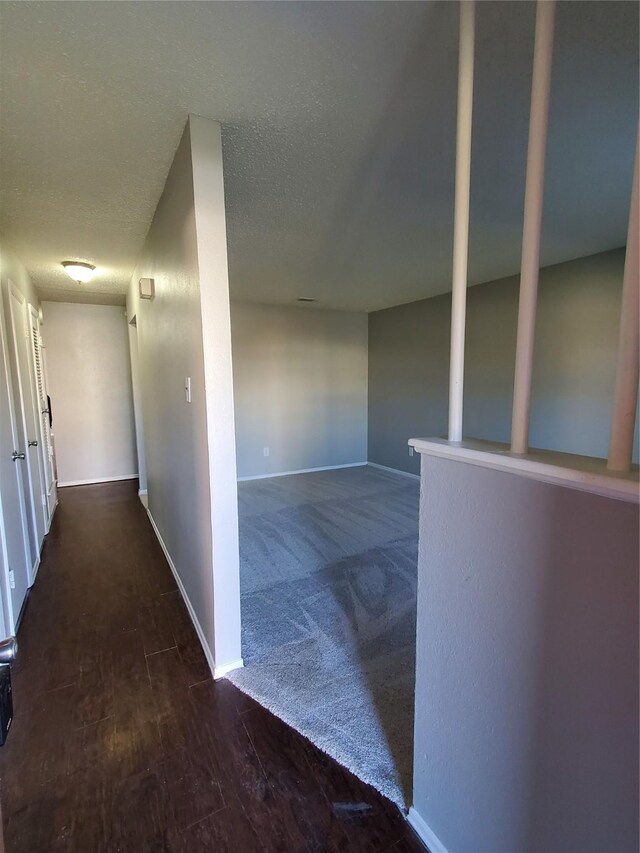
column 122, row 741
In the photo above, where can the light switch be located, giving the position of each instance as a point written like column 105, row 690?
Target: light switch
column 187, row 389
column 147, row 288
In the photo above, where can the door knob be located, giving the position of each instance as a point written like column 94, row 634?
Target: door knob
column 15, row 456
column 33, row 444
column 8, row 650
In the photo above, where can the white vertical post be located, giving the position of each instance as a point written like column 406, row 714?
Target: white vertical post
column 461, row 217
column 533, row 198
column 625, row 400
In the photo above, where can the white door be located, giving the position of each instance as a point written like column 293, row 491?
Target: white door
column 28, row 425
column 15, row 555
column 45, row 445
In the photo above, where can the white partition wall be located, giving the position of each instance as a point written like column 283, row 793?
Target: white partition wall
column 211, row 242
column 184, row 360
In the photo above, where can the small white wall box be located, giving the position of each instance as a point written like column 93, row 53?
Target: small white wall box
column 147, row 288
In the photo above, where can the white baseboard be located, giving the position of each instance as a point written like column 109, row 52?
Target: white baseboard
column 216, row 672
column 34, row 569
column 98, row 480
column 53, row 512
column 185, row 597
column 302, row 471
column 394, row 471
column 425, row 833
column 221, row 671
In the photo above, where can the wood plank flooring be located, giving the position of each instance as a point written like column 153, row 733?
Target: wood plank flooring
column 121, row 741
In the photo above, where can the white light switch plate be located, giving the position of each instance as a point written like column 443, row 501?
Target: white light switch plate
column 187, row 389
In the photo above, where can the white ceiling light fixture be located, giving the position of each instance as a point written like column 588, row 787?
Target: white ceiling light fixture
column 79, row 271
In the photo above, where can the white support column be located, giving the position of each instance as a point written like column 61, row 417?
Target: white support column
column 625, row 400
column 533, row 198
column 461, row 217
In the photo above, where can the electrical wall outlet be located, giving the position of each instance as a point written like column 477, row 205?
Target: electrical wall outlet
column 410, row 451
column 265, row 451
column 187, row 389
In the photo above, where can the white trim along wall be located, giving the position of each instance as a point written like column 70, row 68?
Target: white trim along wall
column 91, row 482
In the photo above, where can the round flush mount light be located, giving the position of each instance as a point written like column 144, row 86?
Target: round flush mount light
column 79, row 271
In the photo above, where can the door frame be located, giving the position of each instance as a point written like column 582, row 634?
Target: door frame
column 36, row 502
column 11, row 619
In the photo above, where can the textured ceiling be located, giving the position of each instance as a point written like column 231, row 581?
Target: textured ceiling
column 339, row 125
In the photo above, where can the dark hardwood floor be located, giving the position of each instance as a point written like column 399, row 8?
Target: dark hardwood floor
column 121, row 741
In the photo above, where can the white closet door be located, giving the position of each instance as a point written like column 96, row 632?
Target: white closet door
column 28, row 421
column 15, row 552
column 40, row 385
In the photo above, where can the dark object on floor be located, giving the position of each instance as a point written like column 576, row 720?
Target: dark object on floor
column 6, row 702
column 351, row 811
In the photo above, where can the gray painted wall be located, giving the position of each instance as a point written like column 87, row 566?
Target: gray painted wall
column 300, row 387
column 192, row 494
column 169, row 349
column 576, row 345
column 526, row 729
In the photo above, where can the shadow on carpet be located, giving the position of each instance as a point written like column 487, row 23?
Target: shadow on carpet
column 328, row 579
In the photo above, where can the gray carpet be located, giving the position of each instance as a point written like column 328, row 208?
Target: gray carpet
column 328, row 580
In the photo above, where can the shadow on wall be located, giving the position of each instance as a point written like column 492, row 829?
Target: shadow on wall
column 583, row 749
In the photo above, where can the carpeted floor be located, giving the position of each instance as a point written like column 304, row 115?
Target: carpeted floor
column 328, row 580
